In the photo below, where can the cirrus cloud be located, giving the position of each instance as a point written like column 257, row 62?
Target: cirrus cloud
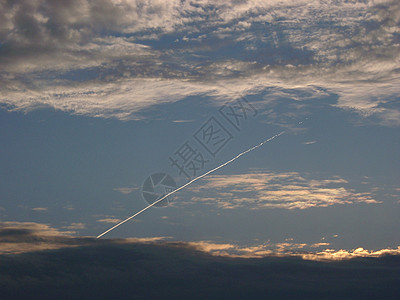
column 117, row 58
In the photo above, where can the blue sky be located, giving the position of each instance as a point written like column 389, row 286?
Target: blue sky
column 96, row 96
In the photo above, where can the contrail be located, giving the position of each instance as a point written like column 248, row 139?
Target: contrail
column 190, row 182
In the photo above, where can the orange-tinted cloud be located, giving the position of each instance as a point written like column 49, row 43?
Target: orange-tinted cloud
column 302, row 250
column 22, row 237
column 287, row 190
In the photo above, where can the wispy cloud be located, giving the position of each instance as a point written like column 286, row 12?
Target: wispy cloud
column 109, row 220
column 74, row 226
column 182, row 121
column 40, row 208
column 287, row 248
column 68, row 207
column 126, row 190
column 288, row 190
column 112, row 60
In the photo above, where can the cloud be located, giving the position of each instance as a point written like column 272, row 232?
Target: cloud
column 126, row 190
column 40, row 208
column 20, row 237
column 68, row 207
column 109, row 220
column 115, row 268
column 23, row 237
column 331, row 254
column 74, row 226
column 182, row 121
column 303, row 250
column 288, row 190
column 114, row 58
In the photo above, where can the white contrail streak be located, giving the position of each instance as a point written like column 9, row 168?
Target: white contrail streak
column 190, row 182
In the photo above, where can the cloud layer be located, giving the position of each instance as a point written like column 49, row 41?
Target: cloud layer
column 26, row 237
column 288, row 190
column 116, row 58
column 109, row 269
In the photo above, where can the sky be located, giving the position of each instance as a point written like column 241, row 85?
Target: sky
column 107, row 105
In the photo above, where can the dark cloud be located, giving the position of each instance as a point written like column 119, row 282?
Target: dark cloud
column 133, row 269
column 13, row 233
column 108, row 270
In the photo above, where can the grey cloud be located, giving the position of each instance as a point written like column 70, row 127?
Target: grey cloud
column 110, row 269
column 13, row 233
column 59, row 54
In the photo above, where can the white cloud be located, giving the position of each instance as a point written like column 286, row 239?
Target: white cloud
column 331, row 254
column 303, row 250
column 89, row 57
column 74, row 226
column 40, row 208
column 109, row 220
column 276, row 190
column 126, row 190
